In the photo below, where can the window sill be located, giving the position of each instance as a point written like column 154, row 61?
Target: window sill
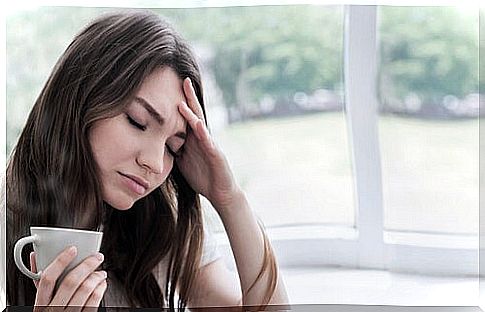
column 331, row 285
column 432, row 254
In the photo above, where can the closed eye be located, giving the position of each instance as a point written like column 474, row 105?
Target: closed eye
column 135, row 124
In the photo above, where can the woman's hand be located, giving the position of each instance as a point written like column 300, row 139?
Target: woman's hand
column 82, row 287
column 202, row 163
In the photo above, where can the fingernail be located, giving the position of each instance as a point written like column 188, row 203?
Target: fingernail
column 105, row 274
column 72, row 250
column 100, row 256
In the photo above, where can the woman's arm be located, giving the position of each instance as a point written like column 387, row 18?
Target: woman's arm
column 215, row 285
column 206, row 169
column 247, row 246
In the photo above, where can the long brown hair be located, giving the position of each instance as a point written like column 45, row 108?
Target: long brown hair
column 52, row 176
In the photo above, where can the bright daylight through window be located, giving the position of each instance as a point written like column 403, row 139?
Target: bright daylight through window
column 304, row 145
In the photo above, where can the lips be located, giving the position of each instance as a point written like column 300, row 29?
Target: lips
column 135, row 184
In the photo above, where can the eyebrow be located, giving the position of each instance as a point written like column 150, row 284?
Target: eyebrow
column 161, row 121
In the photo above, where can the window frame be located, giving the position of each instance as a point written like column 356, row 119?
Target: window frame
column 368, row 245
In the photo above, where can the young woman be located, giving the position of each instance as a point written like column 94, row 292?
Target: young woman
column 117, row 140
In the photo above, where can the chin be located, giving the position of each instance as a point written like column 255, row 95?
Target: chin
column 122, row 207
column 120, row 204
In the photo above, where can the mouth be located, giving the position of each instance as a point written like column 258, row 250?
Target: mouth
column 134, row 183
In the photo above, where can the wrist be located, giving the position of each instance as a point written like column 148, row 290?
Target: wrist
column 235, row 202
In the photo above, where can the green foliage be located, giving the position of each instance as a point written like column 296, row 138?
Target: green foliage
column 430, row 51
column 35, row 40
column 276, row 50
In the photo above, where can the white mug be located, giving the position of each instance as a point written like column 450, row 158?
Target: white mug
column 49, row 242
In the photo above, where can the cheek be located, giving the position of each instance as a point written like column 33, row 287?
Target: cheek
column 109, row 148
column 98, row 146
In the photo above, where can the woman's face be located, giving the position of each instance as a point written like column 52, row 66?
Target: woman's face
column 135, row 150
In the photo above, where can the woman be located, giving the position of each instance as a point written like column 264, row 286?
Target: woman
column 117, row 140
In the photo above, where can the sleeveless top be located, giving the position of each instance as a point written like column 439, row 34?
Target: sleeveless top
column 115, row 296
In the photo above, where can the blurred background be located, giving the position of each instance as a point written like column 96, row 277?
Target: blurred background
column 274, row 87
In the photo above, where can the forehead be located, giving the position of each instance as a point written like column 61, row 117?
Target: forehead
column 163, row 89
column 163, row 86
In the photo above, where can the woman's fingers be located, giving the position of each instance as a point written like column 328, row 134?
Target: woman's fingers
column 50, row 275
column 96, row 296
column 75, row 278
column 197, row 125
column 89, row 291
column 204, row 134
column 192, row 100
column 33, row 267
column 191, row 118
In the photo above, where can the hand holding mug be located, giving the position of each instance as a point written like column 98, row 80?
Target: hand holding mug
column 82, row 287
column 63, row 266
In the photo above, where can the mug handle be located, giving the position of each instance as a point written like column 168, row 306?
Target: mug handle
column 17, row 254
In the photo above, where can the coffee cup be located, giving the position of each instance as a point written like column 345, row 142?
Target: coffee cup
column 49, row 242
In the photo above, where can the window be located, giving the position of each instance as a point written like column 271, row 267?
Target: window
column 428, row 119
column 352, row 129
column 276, row 106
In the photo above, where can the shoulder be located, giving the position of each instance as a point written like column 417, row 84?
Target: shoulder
column 210, row 253
column 210, row 248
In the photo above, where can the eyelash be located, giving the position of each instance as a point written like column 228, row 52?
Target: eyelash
column 143, row 128
column 135, row 124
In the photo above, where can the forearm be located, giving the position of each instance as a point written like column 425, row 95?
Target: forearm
column 247, row 244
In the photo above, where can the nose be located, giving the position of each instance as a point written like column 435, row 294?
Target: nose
column 151, row 158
